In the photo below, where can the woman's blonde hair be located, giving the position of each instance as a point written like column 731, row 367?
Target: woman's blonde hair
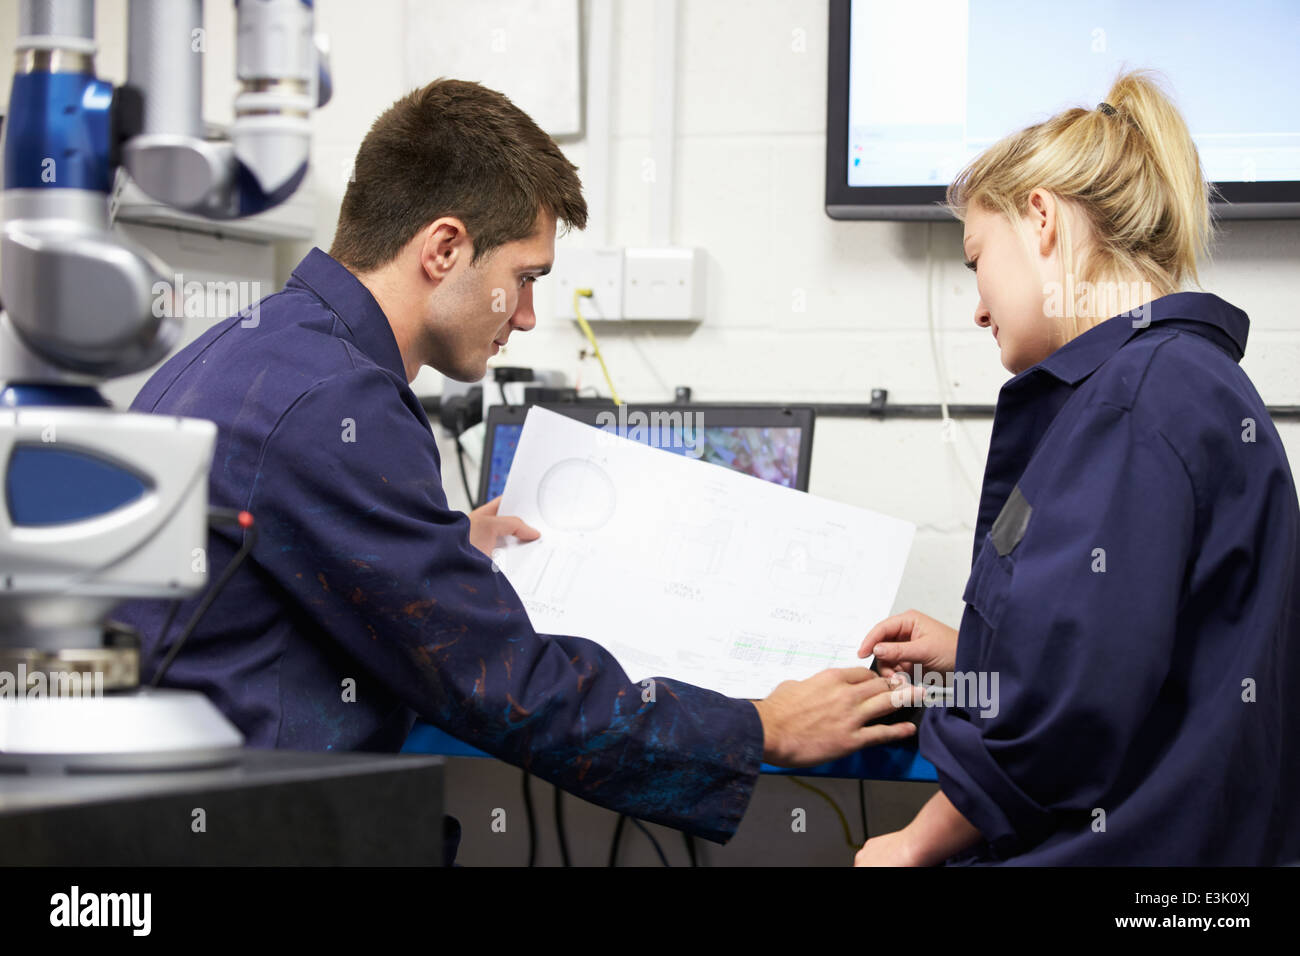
column 1133, row 173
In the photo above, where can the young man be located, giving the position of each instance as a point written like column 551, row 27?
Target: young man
column 367, row 600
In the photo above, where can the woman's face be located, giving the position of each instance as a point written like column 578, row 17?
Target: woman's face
column 1014, row 266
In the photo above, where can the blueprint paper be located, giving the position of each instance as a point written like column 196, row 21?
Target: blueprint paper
column 689, row 570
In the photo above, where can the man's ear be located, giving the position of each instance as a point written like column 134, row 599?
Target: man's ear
column 445, row 243
column 1043, row 210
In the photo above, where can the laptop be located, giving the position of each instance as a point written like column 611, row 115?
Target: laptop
column 772, row 442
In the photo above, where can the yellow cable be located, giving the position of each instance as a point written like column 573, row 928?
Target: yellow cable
column 848, row 836
column 591, row 337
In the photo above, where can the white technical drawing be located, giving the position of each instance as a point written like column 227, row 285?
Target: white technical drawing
column 576, row 494
column 689, row 571
column 798, row 571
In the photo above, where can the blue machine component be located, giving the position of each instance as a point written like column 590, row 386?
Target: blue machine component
column 17, row 395
column 58, row 132
column 46, row 485
column 253, row 199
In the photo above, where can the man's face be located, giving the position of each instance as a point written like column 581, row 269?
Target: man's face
column 479, row 306
column 1009, row 271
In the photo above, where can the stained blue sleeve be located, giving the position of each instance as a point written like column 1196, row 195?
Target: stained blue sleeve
column 1078, row 624
column 356, row 529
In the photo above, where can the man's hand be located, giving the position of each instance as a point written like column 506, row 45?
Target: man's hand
column 486, row 527
column 822, row 718
column 911, row 638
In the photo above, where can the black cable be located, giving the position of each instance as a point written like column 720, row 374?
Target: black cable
column 690, row 849
column 883, row 410
column 559, row 828
column 618, row 838
column 651, row 837
column 215, row 516
column 862, row 808
column 532, row 820
column 460, row 460
column 167, row 624
column 464, row 478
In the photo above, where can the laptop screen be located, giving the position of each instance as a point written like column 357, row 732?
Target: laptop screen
column 769, row 442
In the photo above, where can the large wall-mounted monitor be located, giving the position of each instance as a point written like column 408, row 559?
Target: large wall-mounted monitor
column 919, row 88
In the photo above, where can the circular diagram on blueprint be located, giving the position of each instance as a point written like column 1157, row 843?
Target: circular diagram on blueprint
column 576, row 495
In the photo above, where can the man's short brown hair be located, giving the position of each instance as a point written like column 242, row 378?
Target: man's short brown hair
column 453, row 148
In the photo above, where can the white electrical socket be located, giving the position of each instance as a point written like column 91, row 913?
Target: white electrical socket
column 600, row 270
column 663, row 284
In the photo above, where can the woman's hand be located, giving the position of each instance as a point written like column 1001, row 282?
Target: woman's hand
column 486, row 526
column 911, row 638
column 888, row 849
column 938, row 833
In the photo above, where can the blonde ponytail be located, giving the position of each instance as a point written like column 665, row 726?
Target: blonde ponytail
column 1132, row 171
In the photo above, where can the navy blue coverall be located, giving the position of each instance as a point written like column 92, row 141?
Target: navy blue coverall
column 362, row 571
column 1134, row 587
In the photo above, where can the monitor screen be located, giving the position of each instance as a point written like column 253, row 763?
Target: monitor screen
column 772, row 444
column 918, row 89
column 499, row 455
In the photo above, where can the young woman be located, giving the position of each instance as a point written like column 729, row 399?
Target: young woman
column 1135, row 578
